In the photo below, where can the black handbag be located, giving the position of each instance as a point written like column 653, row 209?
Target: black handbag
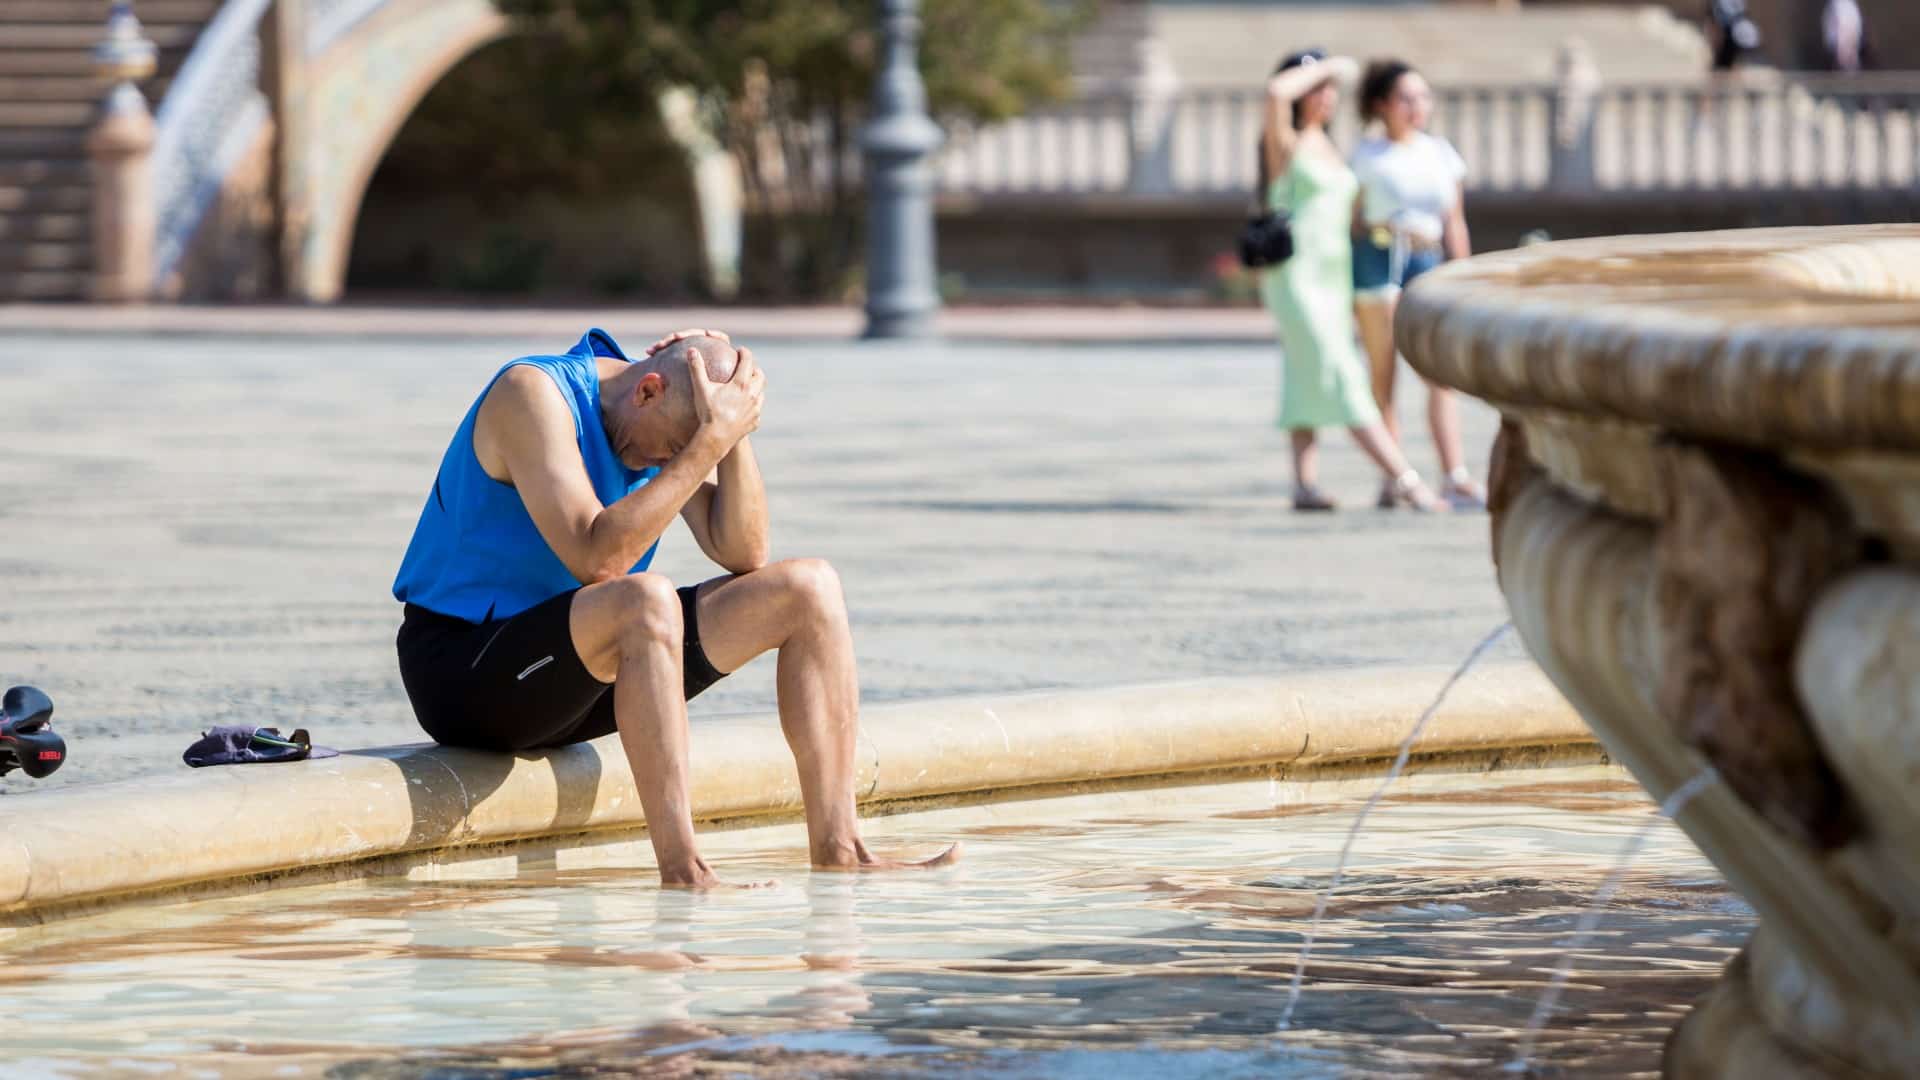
column 1267, row 240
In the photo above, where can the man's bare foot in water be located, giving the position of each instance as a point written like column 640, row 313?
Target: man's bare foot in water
column 860, row 858
column 697, row 876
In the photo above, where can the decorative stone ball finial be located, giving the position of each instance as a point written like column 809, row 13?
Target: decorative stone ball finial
column 125, row 55
column 119, row 149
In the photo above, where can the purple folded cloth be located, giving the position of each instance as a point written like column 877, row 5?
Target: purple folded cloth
column 238, row 744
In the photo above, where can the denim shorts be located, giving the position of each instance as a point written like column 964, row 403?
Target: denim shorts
column 1374, row 267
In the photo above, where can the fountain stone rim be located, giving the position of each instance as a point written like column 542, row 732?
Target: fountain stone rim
column 1805, row 338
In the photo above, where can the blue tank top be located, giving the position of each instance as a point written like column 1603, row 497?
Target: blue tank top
column 476, row 553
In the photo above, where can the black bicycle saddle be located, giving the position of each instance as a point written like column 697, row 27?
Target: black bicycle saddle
column 27, row 739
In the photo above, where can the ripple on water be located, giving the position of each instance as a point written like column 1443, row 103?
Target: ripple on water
column 1093, row 943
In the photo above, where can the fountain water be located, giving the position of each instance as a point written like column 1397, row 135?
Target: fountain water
column 1590, row 918
column 1346, row 849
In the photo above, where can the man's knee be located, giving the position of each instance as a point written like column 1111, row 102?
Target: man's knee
column 815, row 586
column 649, row 611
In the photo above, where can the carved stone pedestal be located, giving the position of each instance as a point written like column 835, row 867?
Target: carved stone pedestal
column 1706, row 521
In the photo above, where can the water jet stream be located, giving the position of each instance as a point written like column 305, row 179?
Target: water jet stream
column 1346, row 849
column 1590, row 919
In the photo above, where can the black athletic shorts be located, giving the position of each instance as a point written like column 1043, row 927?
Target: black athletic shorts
column 517, row 683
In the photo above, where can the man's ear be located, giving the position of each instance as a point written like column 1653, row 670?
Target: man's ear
column 650, row 390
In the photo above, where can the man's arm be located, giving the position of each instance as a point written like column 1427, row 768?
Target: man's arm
column 728, row 515
column 526, row 430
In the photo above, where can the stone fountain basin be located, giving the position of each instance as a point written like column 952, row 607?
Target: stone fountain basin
column 162, row 840
column 1142, row 862
column 1706, row 519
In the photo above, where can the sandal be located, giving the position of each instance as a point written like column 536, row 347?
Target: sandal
column 1310, row 499
column 1387, row 500
column 1462, row 493
column 1410, row 491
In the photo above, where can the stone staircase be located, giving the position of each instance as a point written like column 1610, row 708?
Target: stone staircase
column 1224, row 45
column 48, row 100
column 1233, row 44
column 1106, row 54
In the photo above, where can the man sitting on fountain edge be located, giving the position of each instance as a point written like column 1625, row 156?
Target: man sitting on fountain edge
column 531, row 620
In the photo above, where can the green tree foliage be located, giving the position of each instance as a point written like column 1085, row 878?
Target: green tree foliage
column 785, row 83
column 522, row 117
column 983, row 59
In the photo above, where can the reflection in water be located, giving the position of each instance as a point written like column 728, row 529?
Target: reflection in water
column 834, row 994
column 1078, row 939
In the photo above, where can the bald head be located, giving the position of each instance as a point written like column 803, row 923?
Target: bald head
column 672, row 361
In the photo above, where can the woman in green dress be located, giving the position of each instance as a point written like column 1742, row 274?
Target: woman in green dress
column 1324, row 381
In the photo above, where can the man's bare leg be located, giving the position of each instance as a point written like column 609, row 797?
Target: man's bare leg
column 797, row 607
column 627, row 632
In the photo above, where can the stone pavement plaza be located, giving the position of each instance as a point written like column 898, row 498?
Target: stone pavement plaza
column 203, row 529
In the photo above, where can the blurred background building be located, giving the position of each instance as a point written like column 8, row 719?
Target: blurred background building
column 316, row 149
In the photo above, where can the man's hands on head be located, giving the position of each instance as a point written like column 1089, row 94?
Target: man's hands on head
column 728, row 513
column 728, row 411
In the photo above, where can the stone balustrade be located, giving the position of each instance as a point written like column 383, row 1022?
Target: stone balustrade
column 1574, row 137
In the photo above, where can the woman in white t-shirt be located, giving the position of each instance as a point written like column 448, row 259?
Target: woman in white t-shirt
column 1409, row 218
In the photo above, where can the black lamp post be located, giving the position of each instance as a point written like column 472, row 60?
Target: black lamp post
column 899, row 139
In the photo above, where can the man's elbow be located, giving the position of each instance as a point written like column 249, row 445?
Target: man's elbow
column 747, row 559
column 746, row 565
column 597, row 573
column 590, row 562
